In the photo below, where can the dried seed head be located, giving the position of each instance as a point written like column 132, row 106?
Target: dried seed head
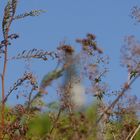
column 67, row 48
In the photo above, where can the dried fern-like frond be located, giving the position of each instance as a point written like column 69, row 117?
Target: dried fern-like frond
column 9, row 13
column 7, row 19
column 34, row 53
column 14, row 6
column 31, row 13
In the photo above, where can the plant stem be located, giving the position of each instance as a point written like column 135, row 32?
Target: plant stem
column 118, row 98
column 3, row 86
column 137, row 129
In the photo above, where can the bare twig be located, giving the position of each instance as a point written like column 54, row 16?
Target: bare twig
column 131, row 132
column 135, row 132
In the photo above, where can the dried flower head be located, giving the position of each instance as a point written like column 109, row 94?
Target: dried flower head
column 131, row 54
column 89, row 44
column 66, row 48
column 136, row 13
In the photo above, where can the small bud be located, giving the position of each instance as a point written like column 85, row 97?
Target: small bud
column 91, row 36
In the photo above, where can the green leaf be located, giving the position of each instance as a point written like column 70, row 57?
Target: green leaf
column 133, row 73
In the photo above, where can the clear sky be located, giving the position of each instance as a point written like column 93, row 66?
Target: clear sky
column 109, row 20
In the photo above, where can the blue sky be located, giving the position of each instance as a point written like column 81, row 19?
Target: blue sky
column 109, row 20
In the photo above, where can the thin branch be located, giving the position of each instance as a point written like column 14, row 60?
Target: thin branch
column 53, row 127
column 29, row 99
column 131, row 132
column 9, row 13
column 118, row 98
column 3, row 83
column 137, row 129
column 56, row 120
